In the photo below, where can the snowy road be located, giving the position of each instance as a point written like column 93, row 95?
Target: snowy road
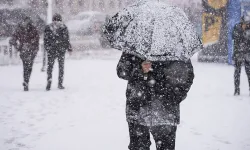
column 90, row 113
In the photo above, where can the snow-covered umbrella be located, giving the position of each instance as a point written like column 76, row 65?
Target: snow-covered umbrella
column 153, row 31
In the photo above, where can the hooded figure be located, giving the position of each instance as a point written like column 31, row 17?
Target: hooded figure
column 56, row 43
column 241, row 37
column 26, row 40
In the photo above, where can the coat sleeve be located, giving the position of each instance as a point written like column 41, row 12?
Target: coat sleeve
column 129, row 68
column 15, row 37
column 47, row 33
column 36, row 38
column 67, row 39
column 238, row 39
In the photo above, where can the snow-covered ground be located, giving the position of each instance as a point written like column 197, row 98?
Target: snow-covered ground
column 90, row 113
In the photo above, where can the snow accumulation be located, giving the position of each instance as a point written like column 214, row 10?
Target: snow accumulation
column 90, row 113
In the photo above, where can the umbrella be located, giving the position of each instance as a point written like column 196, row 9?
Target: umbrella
column 153, row 31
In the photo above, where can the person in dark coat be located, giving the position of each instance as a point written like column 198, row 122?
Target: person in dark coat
column 241, row 53
column 154, row 93
column 26, row 40
column 56, row 43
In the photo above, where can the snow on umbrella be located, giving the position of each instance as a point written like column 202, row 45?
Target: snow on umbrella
column 154, row 31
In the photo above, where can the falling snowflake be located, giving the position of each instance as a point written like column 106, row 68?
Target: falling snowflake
column 152, row 82
column 139, row 94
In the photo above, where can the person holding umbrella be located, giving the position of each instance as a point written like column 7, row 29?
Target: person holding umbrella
column 157, row 41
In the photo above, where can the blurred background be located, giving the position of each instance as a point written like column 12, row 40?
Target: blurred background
column 73, row 7
column 213, row 20
column 84, row 19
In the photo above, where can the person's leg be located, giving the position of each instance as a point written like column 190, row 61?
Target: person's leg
column 51, row 61
column 247, row 68
column 30, row 66
column 237, row 76
column 24, row 69
column 44, row 60
column 61, row 60
column 25, row 75
column 164, row 137
column 139, row 137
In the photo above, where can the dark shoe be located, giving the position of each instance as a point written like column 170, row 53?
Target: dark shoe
column 48, row 86
column 43, row 69
column 237, row 92
column 61, row 87
column 25, row 86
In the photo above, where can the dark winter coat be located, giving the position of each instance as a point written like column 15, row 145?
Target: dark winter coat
column 241, row 44
column 155, row 101
column 26, row 40
column 56, row 38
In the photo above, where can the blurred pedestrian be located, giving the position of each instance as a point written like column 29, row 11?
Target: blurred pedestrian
column 26, row 40
column 56, row 43
column 241, row 37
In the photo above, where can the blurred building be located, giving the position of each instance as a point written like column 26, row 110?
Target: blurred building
column 71, row 7
column 13, row 3
column 219, row 18
column 193, row 10
column 75, row 6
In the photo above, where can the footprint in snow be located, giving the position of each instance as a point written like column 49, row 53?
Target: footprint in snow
column 10, row 140
column 195, row 132
column 221, row 140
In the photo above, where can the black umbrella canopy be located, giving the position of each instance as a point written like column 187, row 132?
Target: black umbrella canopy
column 154, row 31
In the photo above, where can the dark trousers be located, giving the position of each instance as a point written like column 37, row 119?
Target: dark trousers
column 51, row 61
column 237, row 72
column 44, row 58
column 27, row 69
column 164, row 137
